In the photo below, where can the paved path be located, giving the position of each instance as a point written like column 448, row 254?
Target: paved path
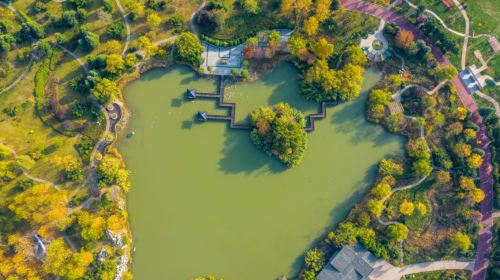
column 397, row 95
column 20, row 78
column 485, row 234
column 491, row 100
column 430, row 12
column 467, row 32
column 127, row 26
column 78, row 59
column 192, row 26
column 496, row 215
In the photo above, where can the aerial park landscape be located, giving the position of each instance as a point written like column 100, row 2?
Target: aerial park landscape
column 249, row 139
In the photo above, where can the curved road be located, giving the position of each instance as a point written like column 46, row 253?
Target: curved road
column 485, row 234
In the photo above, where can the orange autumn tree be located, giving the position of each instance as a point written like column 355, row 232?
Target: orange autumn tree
column 404, row 38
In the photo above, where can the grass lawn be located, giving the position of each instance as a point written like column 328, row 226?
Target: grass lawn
column 484, row 16
column 452, row 17
column 416, row 222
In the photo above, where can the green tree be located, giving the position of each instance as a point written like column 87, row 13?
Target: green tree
column 105, row 90
column 117, row 31
column 422, row 168
column 60, row 261
column 417, row 148
column 381, row 190
column 460, row 241
column 188, row 48
column 88, row 40
column 446, row 73
column 397, row 232
column 296, row 43
column 315, row 259
column 375, row 207
column 114, row 64
column 345, row 234
column 153, row 19
column 250, row 6
column 274, row 38
column 110, row 171
column 350, row 79
column 279, row 131
column 92, row 226
column 355, row 55
column 323, row 49
column 390, row 167
column 379, row 96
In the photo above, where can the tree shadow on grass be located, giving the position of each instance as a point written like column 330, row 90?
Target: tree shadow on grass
column 239, row 155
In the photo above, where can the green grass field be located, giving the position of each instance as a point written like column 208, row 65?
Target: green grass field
column 484, row 16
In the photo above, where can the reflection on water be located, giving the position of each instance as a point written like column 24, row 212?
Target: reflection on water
column 204, row 200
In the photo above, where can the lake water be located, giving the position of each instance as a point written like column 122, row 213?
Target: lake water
column 204, row 200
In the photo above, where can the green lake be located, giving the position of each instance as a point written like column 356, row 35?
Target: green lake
column 204, row 200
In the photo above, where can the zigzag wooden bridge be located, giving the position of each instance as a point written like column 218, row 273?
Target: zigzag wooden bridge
column 204, row 116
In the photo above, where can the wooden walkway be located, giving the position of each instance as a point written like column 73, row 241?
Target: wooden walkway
column 232, row 109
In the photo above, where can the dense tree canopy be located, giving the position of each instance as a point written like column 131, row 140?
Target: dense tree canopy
column 279, row 131
column 88, row 40
column 41, row 204
column 188, row 49
column 105, row 90
column 60, row 261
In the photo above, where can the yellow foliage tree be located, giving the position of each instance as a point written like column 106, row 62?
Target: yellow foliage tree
column 406, row 208
column 322, row 9
column 311, row 26
column 60, row 261
column 114, row 64
column 92, row 226
column 422, row 209
column 115, row 222
column 41, row 204
column 474, row 161
column 17, row 266
column 476, row 195
column 461, row 113
column 153, row 19
column 323, row 49
column 470, row 133
column 112, row 46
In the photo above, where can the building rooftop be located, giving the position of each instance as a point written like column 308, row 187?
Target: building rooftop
column 348, row 264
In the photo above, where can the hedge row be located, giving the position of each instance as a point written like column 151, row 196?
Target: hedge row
column 241, row 40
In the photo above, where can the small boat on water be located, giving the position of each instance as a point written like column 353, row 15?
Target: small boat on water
column 130, row 134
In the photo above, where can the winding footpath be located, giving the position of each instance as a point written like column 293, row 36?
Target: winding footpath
column 127, row 26
column 467, row 32
column 192, row 26
column 78, row 59
column 20, row 78
column 485, row 233
column 28, row 175
column 491, row 100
